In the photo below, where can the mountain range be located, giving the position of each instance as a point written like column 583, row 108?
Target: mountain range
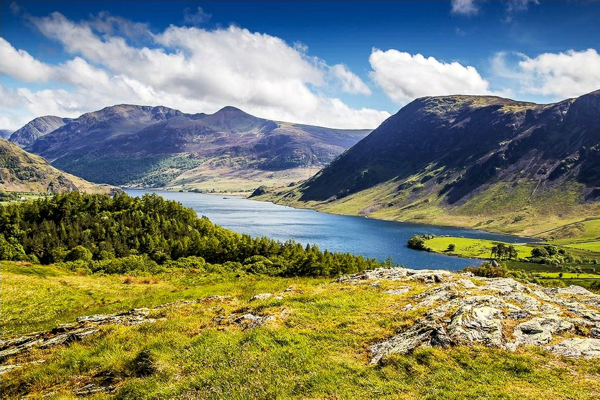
column 477, row 161
column 158, row 146
column 21, row 171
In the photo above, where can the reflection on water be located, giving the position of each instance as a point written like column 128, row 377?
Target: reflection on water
column 358, row 235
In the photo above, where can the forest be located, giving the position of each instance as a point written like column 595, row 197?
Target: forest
column 122, row 234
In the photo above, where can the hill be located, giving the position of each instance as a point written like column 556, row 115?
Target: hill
column 475, row 161
column 388, row 333
column 21, row 171
column 5, row 133
column 37, row 128
column 158, row 146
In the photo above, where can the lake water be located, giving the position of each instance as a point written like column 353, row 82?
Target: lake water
column 357, row 235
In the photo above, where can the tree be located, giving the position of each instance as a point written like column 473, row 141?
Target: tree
column 417, row 243
column 79, row 253
column 539, row 252
column 451, row 247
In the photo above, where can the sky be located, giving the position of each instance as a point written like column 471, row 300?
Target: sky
column 335, row 64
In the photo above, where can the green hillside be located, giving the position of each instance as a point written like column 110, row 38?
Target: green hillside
column 472, row 161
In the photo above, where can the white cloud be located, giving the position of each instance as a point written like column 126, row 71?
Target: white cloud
column 519, row 5
column 197, row 18
column 464, row 7
column 404, row 77
column 350, row 82
column 556, row 75
column 191, row 69
column 21, row 65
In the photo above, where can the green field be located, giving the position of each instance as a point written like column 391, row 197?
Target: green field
column 589, row 246
column 471, row 248
column 567, row 275
column 316, row 348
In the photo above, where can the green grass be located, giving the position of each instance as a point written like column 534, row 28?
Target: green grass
column 589, row 246
column 471, row 248
column 567, row 275
column 581, row 231
column 316, row 348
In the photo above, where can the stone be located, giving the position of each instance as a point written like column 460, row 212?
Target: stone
column 249, row 321
column 401, row 290
column 261, row 296
column 539, row 330
column 529, row 303
column 420, row 335
column 577, row 347
column 476, row 325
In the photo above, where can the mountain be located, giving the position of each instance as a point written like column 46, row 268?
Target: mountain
column 24, row 172
column 475, row 161
column 5, row 133
column 159, row 146
column 37, row 128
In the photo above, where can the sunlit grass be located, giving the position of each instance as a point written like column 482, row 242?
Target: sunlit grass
column 315, row 348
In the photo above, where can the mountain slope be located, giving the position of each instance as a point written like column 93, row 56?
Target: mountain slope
column 468, row 159
column 37, row 128
column 5, row 133
column 158, row 146
column 24, row 172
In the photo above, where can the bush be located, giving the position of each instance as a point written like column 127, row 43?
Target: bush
column 79, row 253
column 487, row 270
column 417, row 243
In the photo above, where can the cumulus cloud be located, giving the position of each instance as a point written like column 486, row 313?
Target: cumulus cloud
column 464, row 7
column 557, row 75
column 188, row 68
column 404, row 77
column 21, row 65
column 350, row 82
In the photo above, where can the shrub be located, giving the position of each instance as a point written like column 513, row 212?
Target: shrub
column 487, row 270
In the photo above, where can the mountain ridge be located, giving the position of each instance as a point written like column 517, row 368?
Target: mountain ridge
column 157, row 146
column 472, row 158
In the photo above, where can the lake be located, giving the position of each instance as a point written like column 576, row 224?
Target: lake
column 357, row 235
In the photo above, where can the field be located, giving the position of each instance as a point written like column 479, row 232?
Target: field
column 315, row 348
column 471, row 248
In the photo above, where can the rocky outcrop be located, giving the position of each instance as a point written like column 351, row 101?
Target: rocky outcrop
column 83, row 327
column 71, row 332
column 495, row 312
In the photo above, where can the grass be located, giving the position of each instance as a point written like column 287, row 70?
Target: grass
column 567, row 275
column 589, row 246
column 471, row 248
column 316, row 348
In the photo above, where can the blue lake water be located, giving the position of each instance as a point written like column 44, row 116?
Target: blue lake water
column 357, row 235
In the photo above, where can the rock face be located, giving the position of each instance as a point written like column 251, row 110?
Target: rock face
column 495, row 312
column 72, row 332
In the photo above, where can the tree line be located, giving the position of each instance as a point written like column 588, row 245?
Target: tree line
column 116, row 234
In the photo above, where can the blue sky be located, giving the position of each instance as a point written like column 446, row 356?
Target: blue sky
column 339, row 64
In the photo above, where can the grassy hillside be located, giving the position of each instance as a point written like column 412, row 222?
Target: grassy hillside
column 21, row 171
column 472, row 161
column 316, row 346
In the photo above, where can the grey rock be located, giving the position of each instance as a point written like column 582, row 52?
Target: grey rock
column 476, row 325
column 577, row 347
column 401, row 290
column 539, row 330
column 422, row 334
column 261, row 296
column 249, row 321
